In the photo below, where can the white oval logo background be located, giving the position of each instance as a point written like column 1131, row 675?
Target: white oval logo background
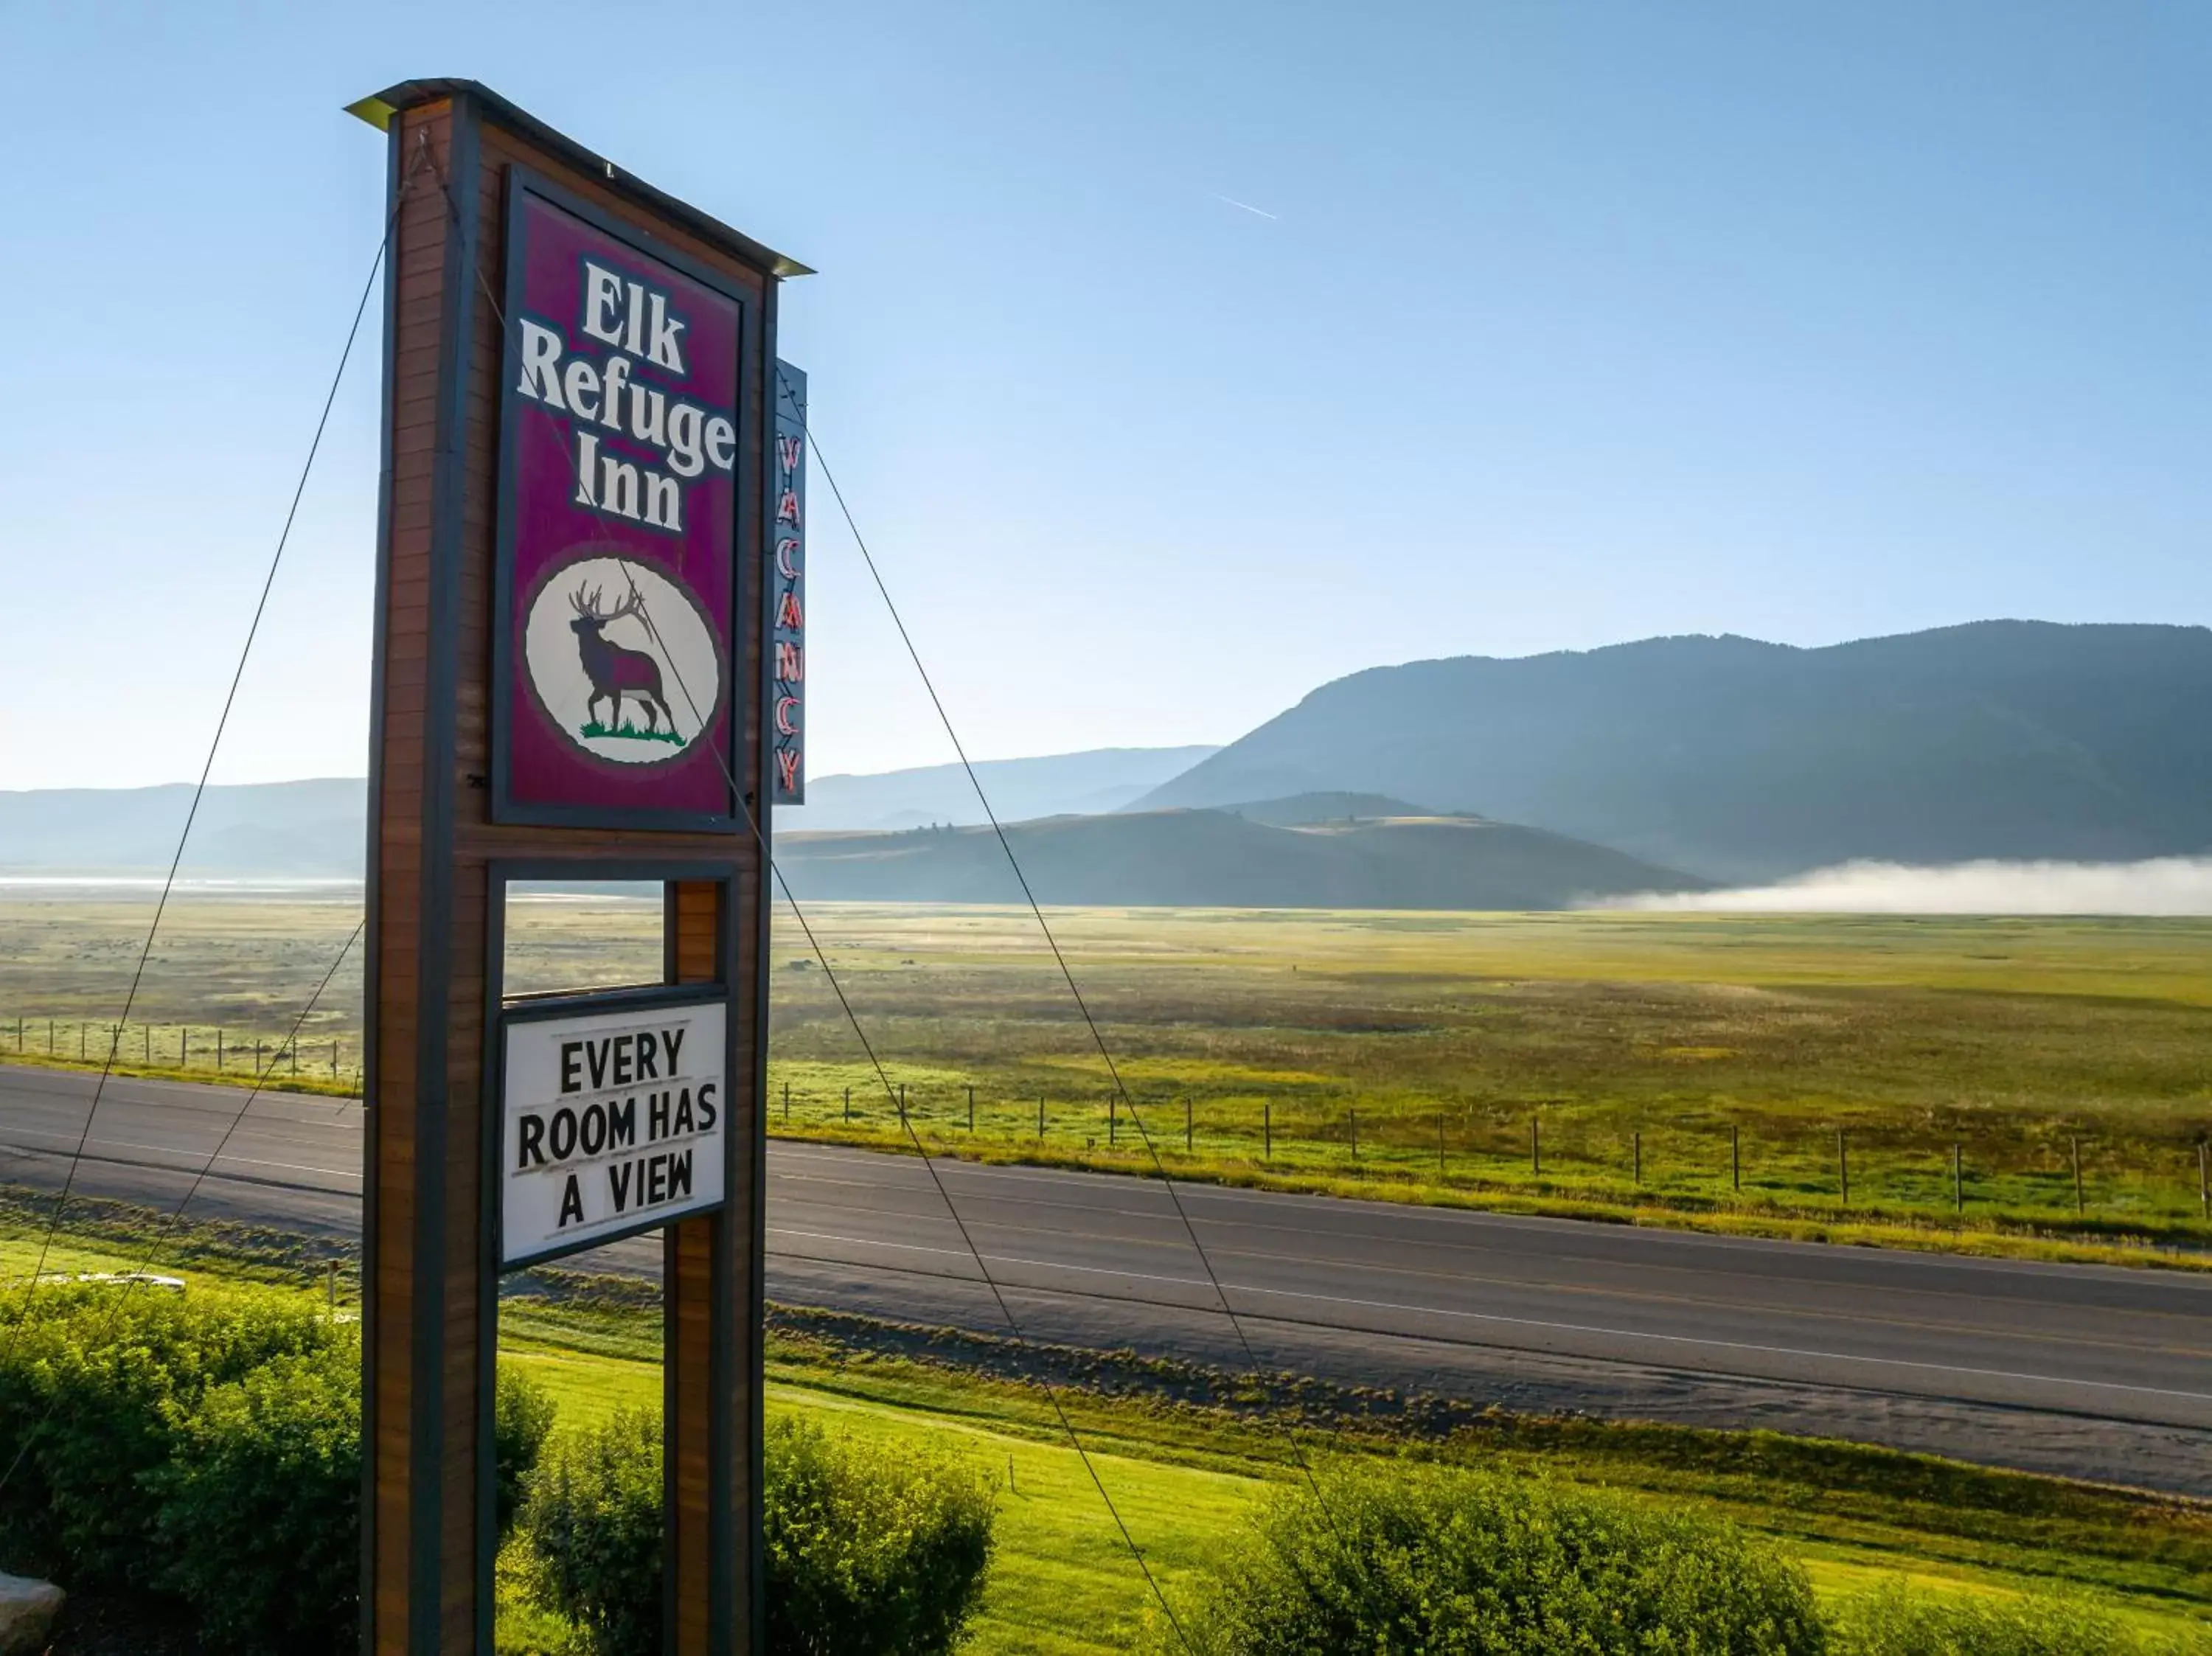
column 615, row 688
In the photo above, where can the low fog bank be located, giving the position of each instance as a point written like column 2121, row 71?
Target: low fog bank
column 2160, row 885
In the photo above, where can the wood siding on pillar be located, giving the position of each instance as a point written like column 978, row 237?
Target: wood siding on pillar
column 426, row 1376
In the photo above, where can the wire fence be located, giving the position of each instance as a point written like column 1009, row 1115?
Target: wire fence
column 2064, row 1178
column 186, row 1049
column 2074, row 1177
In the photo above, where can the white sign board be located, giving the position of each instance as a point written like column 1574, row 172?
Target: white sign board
column 612, row 1122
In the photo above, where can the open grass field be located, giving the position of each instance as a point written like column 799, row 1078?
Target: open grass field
column 1957, row 1079
column 1187, row 1454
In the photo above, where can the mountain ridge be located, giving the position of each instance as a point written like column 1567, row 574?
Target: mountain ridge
column 1735, row 758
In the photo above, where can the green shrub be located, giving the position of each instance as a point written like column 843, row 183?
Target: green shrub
column 591, row 1516
column 522, row 1419
column 206, row 1444
column 1403, row 1558
column 92, row 1382
column 260, row 1524
column 869, row 1550
column 1900, row 1620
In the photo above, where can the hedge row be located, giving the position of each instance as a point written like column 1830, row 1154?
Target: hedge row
column 204, row 1446
column 207, row 1448
column 1404, row 1558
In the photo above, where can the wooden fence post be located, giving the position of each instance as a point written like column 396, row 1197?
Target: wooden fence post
column 1736, row 1156
column 1186, row 1126
column 1637, row 1140
column 1268, row 1129
column 2074, row 1144
column 1355, row 1135
column 1957, row 1179
column 972, row 1107
column 1843, row 1167
column 1535, row 1147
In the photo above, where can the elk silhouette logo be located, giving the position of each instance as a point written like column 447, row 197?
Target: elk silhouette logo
column 636, row 682
column 615, row 670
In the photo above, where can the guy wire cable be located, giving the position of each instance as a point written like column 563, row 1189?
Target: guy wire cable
column 136, row 1276
column 222, row 721
column 752, row 823
column 1113, row 1070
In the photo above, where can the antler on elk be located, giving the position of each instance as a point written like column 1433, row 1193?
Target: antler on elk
column 589, row 607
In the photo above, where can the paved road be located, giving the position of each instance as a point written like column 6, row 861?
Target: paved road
column 2094, row 1372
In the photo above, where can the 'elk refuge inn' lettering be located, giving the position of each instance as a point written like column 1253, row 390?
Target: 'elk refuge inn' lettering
column 639, row 323
column 618, row 1114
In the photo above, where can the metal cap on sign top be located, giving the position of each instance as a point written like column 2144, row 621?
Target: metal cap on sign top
column 379, row 109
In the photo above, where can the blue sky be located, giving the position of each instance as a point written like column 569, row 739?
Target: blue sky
column 1558, row 324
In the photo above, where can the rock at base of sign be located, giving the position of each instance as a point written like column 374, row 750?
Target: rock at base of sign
column 27, row 1609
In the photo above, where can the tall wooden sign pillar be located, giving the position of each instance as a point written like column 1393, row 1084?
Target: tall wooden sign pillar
column 578, row 480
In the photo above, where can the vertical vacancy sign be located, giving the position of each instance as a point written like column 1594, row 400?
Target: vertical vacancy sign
column 787, row 591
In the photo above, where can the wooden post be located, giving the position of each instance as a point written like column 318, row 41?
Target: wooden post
column 1440, row 1147
column 1355, row 1134
column 1637, row 1150
column 1843, row 1167
column 1535, row 1147
column 1186, row 1124
column 902, row 1103
column 972, row 1107
column 786, row 1103
column 1957, row 1178
column 1113, row 1120
column 471, row 785
column 1736, row 1156
column 1040, row 1118
column 2079, row 1206
column 1266, row 1130
column 848, row 1107
column 2204, row 1179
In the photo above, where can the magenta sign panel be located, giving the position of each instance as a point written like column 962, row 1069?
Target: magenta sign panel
column 615, row 688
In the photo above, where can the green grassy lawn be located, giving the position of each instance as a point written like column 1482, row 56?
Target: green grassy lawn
column 1187, row 1454
column 1184, row 1478
column 1728, row 1072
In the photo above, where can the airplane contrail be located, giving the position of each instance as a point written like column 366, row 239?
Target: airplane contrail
column 1258, row 212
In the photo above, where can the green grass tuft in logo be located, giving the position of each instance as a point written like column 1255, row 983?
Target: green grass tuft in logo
column 629, row 732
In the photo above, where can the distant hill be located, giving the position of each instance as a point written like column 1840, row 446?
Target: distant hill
column 1217, row 859
column 1740, row 759
column 1102, row 780
column 316, row 828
